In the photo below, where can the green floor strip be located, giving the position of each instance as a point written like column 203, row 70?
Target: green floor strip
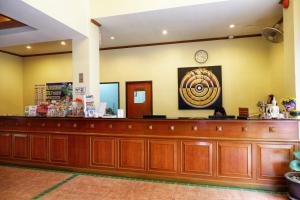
column 144, row 180
column 54, row 187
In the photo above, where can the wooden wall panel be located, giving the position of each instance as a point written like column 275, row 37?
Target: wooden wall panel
column 197, row 157
column 234, row 160
column 273, row 160
column 163, row 155
column 39, row 147
column 132, row 153
column 59, row 148
column 5, row 145
column 103, row 151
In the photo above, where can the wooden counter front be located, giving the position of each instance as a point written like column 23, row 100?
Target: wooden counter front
column 253, row 153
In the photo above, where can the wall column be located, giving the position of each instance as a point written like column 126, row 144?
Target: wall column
column 292, row 50
column 296, row 8
column 85, row 58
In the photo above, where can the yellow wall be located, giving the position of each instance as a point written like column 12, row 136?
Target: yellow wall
column 11, row 85
column 245, row 64
column 279, row 78
column 252, row 69
column 45, row 69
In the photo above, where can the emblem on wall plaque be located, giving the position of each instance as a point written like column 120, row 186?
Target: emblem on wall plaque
column 199, row 87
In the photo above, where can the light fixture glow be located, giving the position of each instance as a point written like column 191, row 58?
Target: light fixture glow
column 231, row 26
column 164, row 32
column 112, row 37
column 230, row 36
column 63, row 43
column 28, row 47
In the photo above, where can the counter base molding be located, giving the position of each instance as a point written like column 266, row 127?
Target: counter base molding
column 249, row 154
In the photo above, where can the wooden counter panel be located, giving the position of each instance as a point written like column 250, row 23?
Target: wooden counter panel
column 5, row 145
column 132, row 153
column 273, row 159
column 39, row 147
column 234, row 160
column 163, row 155
column 103, row 152
column 228, row 152
column 78, row 149
column 197, row 157
column 59, row 149
column 20, row 146
column 286, row 130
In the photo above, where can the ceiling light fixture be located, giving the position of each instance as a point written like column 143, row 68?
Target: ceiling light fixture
column 231, row 26
column 28, row 47
column 112, row 37
column 164, row 32
column 63, row 43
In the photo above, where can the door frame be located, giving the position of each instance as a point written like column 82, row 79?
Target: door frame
column 128, row 82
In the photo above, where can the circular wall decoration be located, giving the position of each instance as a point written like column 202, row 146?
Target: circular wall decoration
column 201, row 56
column 200, row 88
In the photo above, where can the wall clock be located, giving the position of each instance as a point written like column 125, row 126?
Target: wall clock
column 201, row 56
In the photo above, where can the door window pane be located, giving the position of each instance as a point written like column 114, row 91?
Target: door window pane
column 139, row 96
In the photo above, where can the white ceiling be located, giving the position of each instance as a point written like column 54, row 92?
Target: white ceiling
column 204, row 20
column 190, row 22
column 43, row 27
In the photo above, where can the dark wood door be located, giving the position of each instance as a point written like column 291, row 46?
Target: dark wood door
column 273, row 160
column 39, row 147
column 5, row 145
column 138, row 99
column 103, row 151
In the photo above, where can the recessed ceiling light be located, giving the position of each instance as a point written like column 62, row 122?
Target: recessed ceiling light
column 231, row 26
column 28, row 47
column 112, row 37
column 63, row 43
column 164, row 32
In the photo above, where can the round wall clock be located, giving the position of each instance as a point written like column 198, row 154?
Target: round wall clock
column 201, row 56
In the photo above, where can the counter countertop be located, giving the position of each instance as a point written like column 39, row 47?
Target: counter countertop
column 151, row 119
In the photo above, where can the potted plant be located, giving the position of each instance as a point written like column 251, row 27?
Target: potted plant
column 295, row 113
column 289, row 105
column 293, row 178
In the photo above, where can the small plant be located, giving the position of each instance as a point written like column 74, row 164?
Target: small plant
column 289, row 103
column 295, row 164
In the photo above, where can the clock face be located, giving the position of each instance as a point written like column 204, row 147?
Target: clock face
column 201, row 56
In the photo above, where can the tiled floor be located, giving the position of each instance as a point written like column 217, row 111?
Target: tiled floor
column 19, row 184
column 16, row 183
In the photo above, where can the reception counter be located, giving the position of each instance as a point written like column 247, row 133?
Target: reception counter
column 241, row 153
